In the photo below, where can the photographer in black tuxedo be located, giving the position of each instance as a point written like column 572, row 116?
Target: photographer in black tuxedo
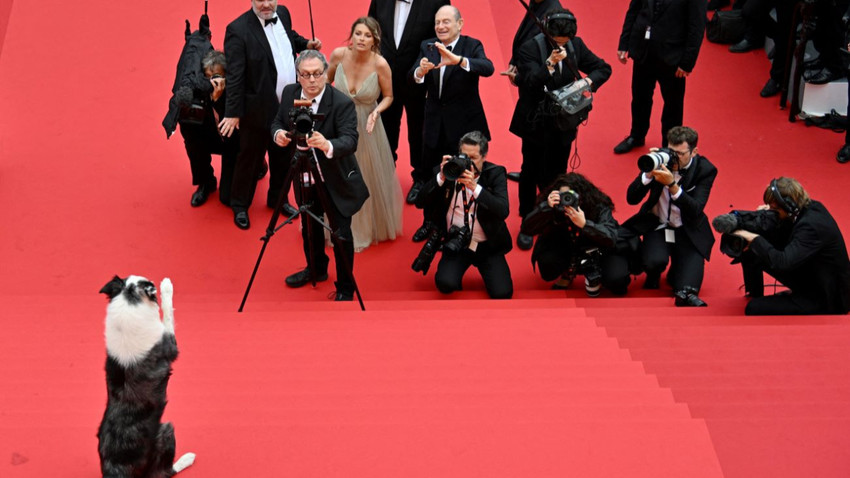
column 676, row 183
column 471, row 196
column 333, row 142
column 810, row 259
column 577, row 236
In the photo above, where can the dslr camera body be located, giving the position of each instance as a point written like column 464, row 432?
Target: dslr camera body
column 765, row 223
column 456, row 165
column 458, row 239
column 568, row 199
column 303, row 119
column 589, row 264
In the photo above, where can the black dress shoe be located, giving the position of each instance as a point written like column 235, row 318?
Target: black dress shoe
column 652, row 282
column 843, row 154
column 342, row 295
column 823, row 76
column 524, row 241
column 771, row 88
column 744, row 46
column 240, row 218
column 627, row 145
column 422, row 233
column 514, row 176
column 688, row 297
column 302, row 278
column 414, row 192
column 201, row 194
column 289, row 209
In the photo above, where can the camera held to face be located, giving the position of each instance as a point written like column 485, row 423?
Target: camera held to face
column 655, row 159
column 568, row 199
column 456, row 165
column 457, row 239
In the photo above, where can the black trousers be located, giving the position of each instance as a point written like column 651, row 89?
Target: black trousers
column 544, row 156
column 201, row 142
column 491, row 265
column 555, row 256
column 687, row 266
column 409, row 98
column 644, row 77
column 254, row 143
column 313, row 236
column 783, row 303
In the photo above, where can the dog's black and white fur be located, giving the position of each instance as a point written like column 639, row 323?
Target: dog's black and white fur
column 140, row 348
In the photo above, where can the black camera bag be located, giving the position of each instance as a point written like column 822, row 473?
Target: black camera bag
column 557, row 102
column 726, row 26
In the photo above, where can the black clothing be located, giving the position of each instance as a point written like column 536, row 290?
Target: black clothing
column 407, row 96
column 812, row 262
column 545, row 148
column 675, row 29
column 342, row 180
column 528, row 28
column 251, row 84
column 491, row 210
column 693, row 240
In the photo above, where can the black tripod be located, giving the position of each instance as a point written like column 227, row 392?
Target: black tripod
column 310, row 185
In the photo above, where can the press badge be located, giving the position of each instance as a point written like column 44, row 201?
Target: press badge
column 646, row 36
column 473, row 245
column 670, row 236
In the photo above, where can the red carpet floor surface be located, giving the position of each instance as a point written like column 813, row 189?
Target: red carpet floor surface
column 548, row 384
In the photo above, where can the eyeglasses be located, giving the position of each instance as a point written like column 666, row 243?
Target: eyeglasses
column 315, row 75
column 682, row 154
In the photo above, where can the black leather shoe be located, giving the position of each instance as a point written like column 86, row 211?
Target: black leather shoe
column 342, row 295
column 289, row 210
column 688, row 297
column 823, row 76
column 771, row 88
column 627, row 145
column 201, row 194
column 652, row 282
column 241, row 219
column 744, row 46
column 843, row 154
column 524, row 241
column 514, row 176
column 414, row 192
column 422, row 233
column 302, row 278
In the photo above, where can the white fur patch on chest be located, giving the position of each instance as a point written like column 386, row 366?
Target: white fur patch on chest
column 131, row 330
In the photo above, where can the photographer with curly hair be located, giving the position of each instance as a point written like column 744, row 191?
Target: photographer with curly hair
column 578, row 235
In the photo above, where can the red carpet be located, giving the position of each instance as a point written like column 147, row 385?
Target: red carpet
column 420, row 385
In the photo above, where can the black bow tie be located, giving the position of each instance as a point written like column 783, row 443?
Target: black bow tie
column 449, row 48
column 272, row 20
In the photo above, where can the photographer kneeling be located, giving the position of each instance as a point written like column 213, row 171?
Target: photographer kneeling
column 578, row 234
column 810, row 258
column 471, row 196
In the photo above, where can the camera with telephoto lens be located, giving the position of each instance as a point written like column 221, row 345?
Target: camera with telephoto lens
column 568, row 199
column 426, row 255
column 655, row 159
column 458, row 239
column 765, row 223
column 303, row 119
column 455, row 166
column 589, row 264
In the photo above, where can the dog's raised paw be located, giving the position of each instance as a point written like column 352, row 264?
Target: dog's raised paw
column 166, row 287
column 184, row 462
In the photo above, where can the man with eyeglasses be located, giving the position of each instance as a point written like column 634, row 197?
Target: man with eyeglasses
column 333, row 141
column 672, row 223
column 260, row 46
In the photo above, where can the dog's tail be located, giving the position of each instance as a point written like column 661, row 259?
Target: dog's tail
column 166, row 289
column 184, row 462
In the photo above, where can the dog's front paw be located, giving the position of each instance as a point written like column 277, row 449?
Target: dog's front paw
column 166, row 288
column 184, row 462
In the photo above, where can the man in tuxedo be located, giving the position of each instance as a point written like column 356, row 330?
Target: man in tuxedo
column 405, row 24
column 663, row 38
column 671, row 220
column 450, row 67
column 260, row 46
column 476, row 203
column 542, row 67
column 811, row 261
column 332, row 142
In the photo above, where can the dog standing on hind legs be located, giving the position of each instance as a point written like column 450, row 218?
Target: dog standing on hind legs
column 132, row 442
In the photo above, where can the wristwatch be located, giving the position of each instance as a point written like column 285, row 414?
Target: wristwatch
column 549, row 64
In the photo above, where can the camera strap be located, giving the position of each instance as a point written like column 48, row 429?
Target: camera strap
column 468, row 202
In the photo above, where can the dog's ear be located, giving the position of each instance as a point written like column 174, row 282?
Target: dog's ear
column 113, row 287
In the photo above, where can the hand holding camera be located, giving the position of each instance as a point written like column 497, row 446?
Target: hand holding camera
column 217, row 82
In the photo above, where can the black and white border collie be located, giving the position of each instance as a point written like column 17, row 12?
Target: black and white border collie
column 132, row 442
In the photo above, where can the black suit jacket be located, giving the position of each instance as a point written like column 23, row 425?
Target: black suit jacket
column 696, row 185
column 251, row 72
column 532, row 76
column 341, row 173
column 528, row 28
column 492, row 209
column 459, row 109
column 813, row 261
column 419, row 27
column 677, row 29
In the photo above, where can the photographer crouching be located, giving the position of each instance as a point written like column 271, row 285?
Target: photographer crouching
column 471, row 197
column 794, row 239
column 577, row 235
